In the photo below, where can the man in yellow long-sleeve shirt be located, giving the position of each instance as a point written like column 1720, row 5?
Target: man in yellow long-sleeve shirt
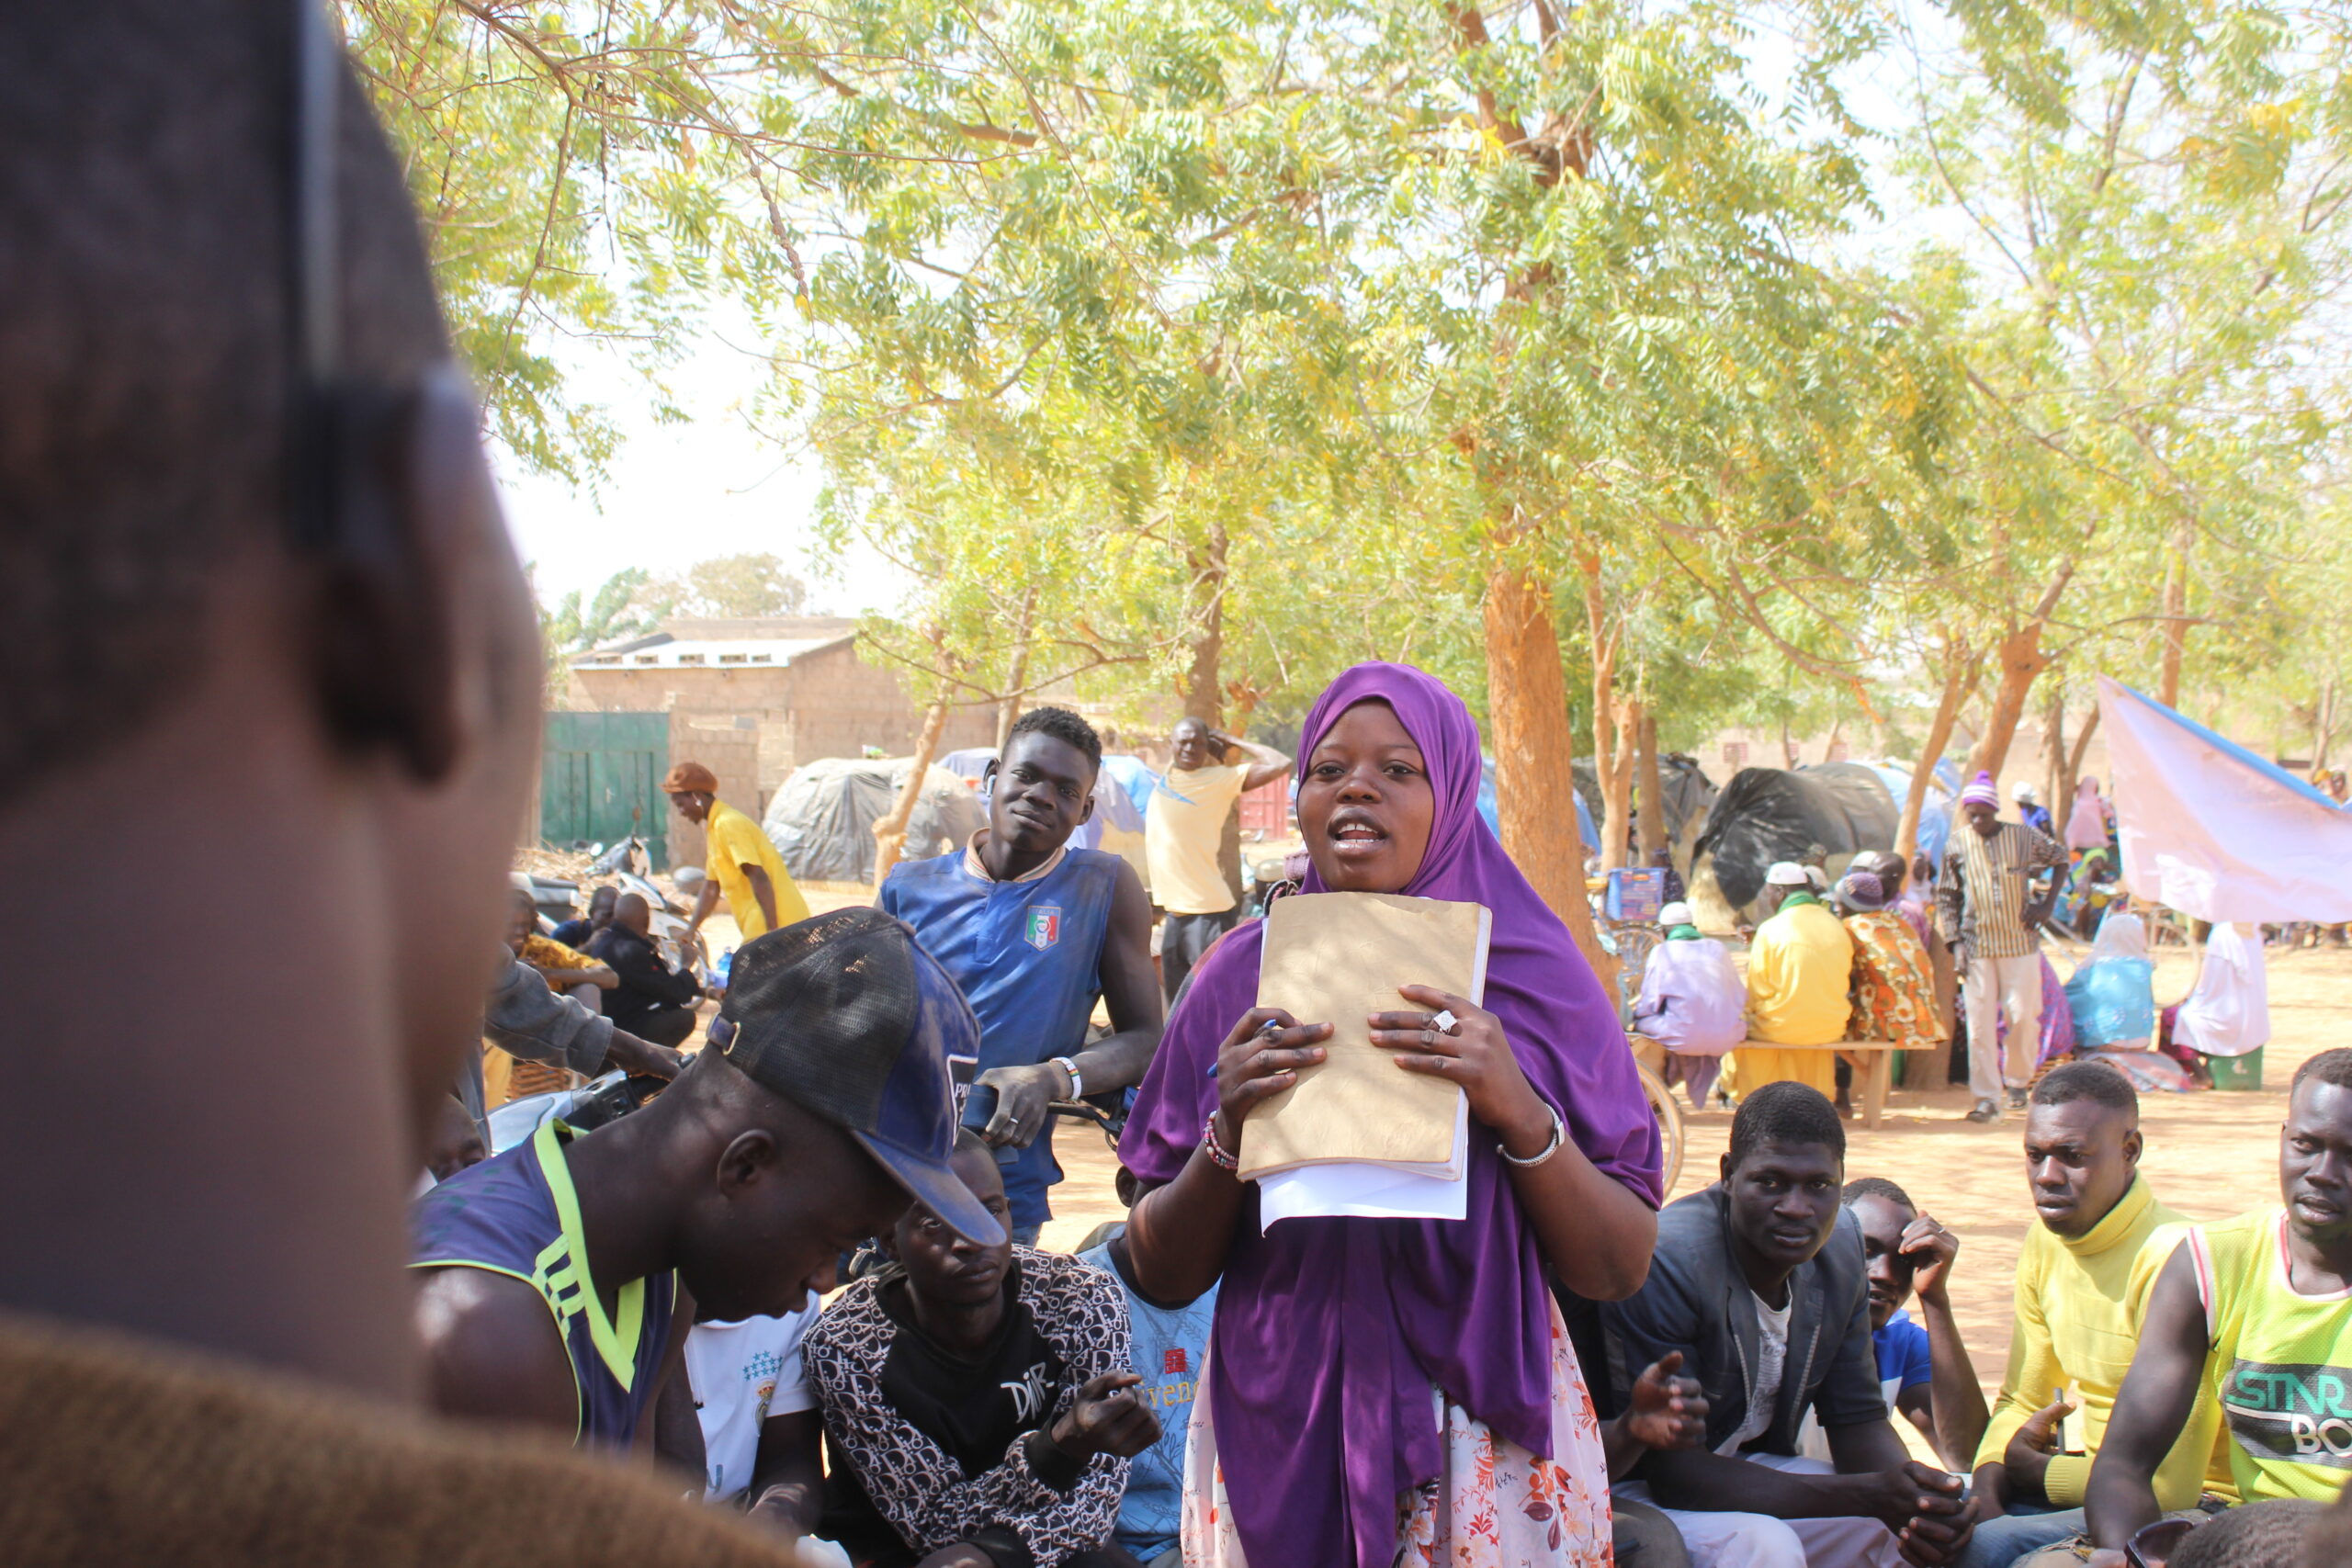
column 2082, row 1285
column 1798, row 969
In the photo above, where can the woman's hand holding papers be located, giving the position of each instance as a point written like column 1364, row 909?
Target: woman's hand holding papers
column 1261, row 1057
column 1476, row 1054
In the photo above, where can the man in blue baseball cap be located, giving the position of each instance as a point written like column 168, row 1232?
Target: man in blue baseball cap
column 559, row 1278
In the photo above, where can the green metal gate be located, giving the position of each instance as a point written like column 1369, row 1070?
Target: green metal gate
column 600, row 780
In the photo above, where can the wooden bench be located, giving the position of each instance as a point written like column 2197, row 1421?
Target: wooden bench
column 1873, row 1061
column 1873, row 1064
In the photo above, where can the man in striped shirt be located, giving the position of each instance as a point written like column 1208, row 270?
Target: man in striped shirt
column 1986, row 912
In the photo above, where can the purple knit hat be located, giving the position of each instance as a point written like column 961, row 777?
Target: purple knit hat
column 1982, row 790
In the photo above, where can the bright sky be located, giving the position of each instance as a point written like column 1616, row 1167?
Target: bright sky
column 677, row 493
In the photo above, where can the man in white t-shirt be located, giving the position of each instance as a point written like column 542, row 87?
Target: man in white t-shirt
column 760, row 1431
column 1183, row 829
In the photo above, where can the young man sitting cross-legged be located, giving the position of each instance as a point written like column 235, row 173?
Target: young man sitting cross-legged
column 978, row 1401
column 1759, row 1283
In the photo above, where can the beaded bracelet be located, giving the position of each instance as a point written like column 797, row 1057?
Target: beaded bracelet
column 1218, row 1154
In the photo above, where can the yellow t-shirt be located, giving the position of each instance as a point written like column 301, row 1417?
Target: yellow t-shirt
column 736, row 841
column 2281, row 1362
column 1797, row 971
column 2079, row 1304
column 1182, row 829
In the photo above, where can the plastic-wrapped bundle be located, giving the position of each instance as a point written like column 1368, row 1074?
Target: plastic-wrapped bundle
column 2113, row 992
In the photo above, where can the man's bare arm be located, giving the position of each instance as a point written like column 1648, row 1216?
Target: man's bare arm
column 1130, row 992
column 1266, row 764
column 764, row 890
column 788, row 1473
column 2154, row 1404
column 600, row 976
column 492, row 1351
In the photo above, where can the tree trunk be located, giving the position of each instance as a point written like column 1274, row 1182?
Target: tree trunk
column 2064, row 806
column 1018, row 675
column 890, row 829
column 2020, row 660
column 2053, row 746
column 1203, row 688
column 1651, row 818
column 1614, row 720
column 2176, row 627
column 1959, row 670
column 1527, row 701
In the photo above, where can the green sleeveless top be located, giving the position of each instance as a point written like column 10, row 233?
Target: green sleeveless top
column 2280, row 1364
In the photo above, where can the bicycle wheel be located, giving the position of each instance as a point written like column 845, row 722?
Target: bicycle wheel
column 1669, row 1127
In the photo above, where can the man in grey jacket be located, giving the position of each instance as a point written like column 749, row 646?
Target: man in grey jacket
column 1759, row 1283
column 526, row 1019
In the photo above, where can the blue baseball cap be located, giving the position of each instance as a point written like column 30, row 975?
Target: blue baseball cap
column 846, row 1016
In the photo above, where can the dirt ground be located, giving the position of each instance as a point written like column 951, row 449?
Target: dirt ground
column 2209, row 1154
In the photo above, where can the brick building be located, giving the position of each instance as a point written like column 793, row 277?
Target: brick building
column 754, row 699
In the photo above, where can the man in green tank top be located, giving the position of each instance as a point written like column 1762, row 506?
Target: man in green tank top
column 2260, row 1309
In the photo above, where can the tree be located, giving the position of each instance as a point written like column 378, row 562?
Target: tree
column 2148, row 208
column 748, row 585
column 627, row 604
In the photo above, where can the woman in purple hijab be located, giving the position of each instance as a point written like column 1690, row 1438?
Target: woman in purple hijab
column 1401, row 1390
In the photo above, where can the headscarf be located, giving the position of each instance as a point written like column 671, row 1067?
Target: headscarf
column 1331, row 1332
column 1862, row 890
column 689, row 777
column 2087, row 823
column 1982, row 790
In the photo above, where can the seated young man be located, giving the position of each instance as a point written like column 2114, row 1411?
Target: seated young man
column 737, row 1188
column 2257, row 1309
column 1925, row 1373
column 575, row 931
column 755, row 1432
column 979, row 1406
column 1168, row 1342
column 2082, row 1287
column 1758, row 1283
column 651, row 1000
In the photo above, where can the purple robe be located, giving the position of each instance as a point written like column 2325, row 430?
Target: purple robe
column 1330, row 1333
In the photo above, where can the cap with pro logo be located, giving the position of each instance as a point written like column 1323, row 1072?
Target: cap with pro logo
column 846, row 1016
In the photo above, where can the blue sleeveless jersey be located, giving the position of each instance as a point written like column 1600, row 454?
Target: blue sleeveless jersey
column 1028, row 956
column 516, row 1214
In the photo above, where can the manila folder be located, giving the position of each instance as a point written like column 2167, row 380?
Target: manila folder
column 1334, row 958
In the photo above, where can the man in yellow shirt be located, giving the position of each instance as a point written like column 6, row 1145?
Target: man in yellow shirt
column 741, row 863
column 2252, row 1315
column 1183, row 829
column 1798, row 968
column 2082, row 1290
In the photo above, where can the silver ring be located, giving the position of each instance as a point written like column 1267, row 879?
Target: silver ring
column 1443, row 1020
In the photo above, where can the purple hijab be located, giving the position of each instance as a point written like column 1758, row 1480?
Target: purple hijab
column 1330, row 1332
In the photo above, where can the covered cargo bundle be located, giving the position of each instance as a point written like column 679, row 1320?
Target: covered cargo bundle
column 822, row 820
column 1768, row 814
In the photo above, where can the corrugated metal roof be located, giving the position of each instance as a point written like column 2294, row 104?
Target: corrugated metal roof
column 728, row 653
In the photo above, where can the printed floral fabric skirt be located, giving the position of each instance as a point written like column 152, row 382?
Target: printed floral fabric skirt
column 1494, row 1505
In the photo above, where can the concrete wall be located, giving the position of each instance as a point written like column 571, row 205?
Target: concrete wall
column 753, row 725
